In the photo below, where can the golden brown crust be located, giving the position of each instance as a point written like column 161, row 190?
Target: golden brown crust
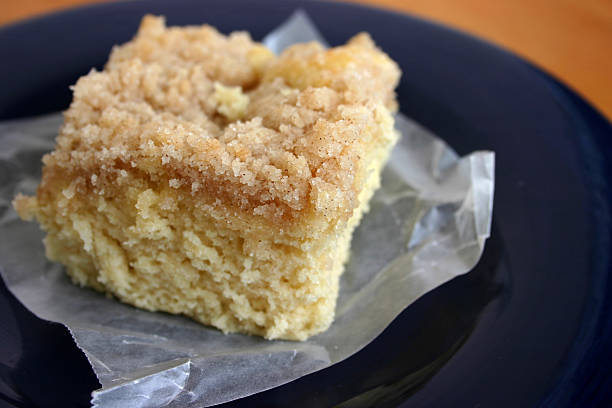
column 163, row 106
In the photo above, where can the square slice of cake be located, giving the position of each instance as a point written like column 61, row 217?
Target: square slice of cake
column 200, row 174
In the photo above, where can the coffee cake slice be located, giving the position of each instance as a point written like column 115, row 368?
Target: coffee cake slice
column 199, row 174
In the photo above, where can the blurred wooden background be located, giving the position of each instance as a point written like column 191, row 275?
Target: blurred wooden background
column 570, row 38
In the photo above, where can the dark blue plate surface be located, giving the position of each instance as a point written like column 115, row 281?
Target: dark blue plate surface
column 530, row 326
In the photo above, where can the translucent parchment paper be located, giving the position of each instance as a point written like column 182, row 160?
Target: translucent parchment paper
column 427, row 224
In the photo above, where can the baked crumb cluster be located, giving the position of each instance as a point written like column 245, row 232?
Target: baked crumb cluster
column 243, row 171
column 272, row 136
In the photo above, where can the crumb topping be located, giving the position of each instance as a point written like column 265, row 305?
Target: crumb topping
column 221, row 116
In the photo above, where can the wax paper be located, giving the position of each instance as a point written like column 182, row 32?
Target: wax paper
column 427, row 224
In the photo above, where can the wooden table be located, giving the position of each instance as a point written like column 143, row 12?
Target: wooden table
column 572, row 39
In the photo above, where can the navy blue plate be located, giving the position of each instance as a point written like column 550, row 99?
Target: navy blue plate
column 530, row 326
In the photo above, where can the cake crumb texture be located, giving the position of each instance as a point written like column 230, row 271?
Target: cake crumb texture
column 200, row 174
